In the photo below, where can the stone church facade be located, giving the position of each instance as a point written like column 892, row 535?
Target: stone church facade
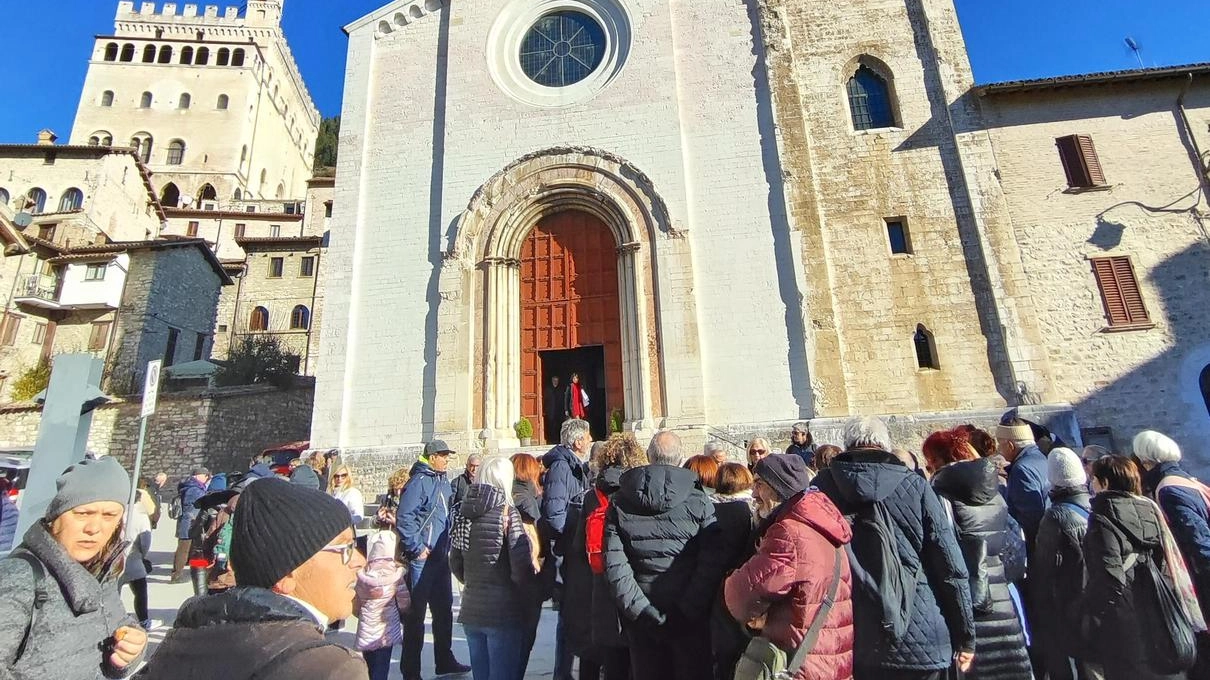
column 725, row 216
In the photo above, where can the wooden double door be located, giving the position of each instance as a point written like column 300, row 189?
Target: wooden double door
column 570, row 320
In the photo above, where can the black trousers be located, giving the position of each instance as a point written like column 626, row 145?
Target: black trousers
column 432, row 590
column 613, row 664
column 885, row 674
column 670, row 652
column 138, row 588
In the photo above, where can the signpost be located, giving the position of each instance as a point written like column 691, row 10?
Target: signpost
column 151, row 388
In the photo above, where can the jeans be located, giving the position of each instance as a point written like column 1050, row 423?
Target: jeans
column 495, row 652
column 563, row 656
column 138, row 588
column 432, row 589
column 379, row 662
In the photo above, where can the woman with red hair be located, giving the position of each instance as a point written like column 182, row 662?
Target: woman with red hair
column 985, row 534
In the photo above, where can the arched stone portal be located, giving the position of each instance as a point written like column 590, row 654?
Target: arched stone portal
column 482, row 273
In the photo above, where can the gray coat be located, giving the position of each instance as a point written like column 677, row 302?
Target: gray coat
column 79, row 614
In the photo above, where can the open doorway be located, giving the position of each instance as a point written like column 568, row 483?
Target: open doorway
column 589, row 362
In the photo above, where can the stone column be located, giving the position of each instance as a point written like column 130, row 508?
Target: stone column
column 636, row 371
column 502, row 375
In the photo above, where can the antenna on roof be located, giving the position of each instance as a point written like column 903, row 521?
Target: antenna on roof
column 1136, row 49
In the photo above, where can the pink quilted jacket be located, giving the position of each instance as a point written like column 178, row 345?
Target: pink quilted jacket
column 381, row 595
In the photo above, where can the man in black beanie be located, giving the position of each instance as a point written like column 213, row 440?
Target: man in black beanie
column 295, row 564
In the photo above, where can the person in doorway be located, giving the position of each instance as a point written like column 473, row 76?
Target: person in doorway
column 293, row 555
column 553, row 409
column 61, row 615
column 464, row 481
column 575, row 401
column 190, row 490
column 423, row 523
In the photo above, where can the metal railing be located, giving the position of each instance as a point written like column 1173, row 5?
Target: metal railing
column 39, row 286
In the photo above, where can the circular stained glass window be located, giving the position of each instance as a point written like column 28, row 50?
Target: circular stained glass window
column 562, row 48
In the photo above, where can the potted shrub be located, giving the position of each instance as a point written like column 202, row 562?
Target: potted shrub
column 616, row 420
column 525, row 431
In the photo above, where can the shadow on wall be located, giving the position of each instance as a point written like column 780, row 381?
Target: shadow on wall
column 1165, row 392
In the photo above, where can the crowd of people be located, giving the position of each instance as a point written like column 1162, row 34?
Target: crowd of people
column 988, row 554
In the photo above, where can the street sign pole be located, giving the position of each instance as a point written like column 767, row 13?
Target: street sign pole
column 151, row 388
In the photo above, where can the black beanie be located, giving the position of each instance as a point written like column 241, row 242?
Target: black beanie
column 278, row 526
column 786, row 473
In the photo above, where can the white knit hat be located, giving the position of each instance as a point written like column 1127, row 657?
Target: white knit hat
column 1065, row 469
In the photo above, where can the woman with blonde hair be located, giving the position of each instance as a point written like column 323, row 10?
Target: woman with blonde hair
column 758, row 449
column 342, row 488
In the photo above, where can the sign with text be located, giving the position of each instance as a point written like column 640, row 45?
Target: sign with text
column 151, row 387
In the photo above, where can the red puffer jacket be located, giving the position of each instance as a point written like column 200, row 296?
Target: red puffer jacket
column 789, row 577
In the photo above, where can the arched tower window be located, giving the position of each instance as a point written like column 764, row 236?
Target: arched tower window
column 176, row 152
column 72, row 199
column 127, row 52
column 207, row 193
column 223, row 102
column 264, row 177
column 300, row 318
column 111, row 52
column 170, row 195
column 926, row 348
column 1204, row 382
column 100, row 138
column 243, row 155
column 186, row 55
column 107, row 98
column 223, row 57
column 870, row 101
column 238, row 195
column 203, row 56
column 237, row 57
column 166, row 54
column 259, row 320
column 141, row 143
column 185, row 102
column 145, row 101
column 149, row 54
column 281, row 190
column 35, row 200
column 4, row 197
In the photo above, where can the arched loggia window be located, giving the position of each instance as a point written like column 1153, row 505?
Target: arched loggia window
column 870, row 99
column 259, row 320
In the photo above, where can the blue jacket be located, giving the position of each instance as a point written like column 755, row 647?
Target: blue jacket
column 1028, row 491
column 943, row 620
column 423, row 516
column 566, row 478
column 190, row 491
column 807, row 453
column 8, row 523
column 1189, row 519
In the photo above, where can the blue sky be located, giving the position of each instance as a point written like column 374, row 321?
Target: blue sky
column 44, row 61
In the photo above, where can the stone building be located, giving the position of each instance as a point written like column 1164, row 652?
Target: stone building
column 725, row 217
column 213, row 103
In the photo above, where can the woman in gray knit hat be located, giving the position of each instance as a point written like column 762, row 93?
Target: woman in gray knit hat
column 61, row 616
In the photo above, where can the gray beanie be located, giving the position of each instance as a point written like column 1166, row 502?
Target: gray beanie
column 90, row 481
column 1065, row 469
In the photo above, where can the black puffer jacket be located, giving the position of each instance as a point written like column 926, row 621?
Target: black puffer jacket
column 1121, row 524
column 661, row 545
column 737, row 526
column 527, row 501
column 595, row 621
column 942, row 620
column 981, row 523
column 245, row 633
column 1057, row 572
column 491, row 557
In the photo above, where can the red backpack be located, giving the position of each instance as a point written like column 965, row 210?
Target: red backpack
column 594, row 534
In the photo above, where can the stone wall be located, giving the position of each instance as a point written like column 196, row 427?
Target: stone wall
column 221, row 429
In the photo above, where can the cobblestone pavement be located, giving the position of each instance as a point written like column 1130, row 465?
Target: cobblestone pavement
column 165, row 598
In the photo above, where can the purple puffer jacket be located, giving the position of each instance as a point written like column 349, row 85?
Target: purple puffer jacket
column 381, row 595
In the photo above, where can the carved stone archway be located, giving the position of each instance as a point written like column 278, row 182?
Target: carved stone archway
column 488, row 237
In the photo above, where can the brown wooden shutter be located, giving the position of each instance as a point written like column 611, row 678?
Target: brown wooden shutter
column 99, row 336
column 8, row 329
column 1120, row 291
column 1092, row 164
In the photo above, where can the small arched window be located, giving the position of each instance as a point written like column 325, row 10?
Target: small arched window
column 127, row 52
column 238, row 195
column 186, row 55
column 107, row 98
column 166, row 54
column 237, row 57
column 94, row 141
column 145, row 101
column 185, row 102
column 149, row 54
column 223, row 57
column 176, row 152
column 223, row 102
column 243, row 155
column 4, row 197
column 259, row 320
column 35, row 200
column 281, row 190
column 926, row 348
column 264, row 177
column 170, row 195
column 300, row 318
column 203, row 56
column 72, row 199
column 141, row 143
column 870, row 100
column 207, row 193
column 111, row 52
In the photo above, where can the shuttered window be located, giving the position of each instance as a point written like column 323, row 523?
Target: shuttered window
column 1120, row 292
column 8, row 329
column 1080, row 162
column 99, row 336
